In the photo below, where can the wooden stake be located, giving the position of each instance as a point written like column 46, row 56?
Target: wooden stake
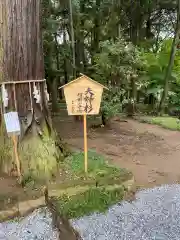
column 85, row 144
column 17, row 158
column 24, row 81
column 30, row 94
column 15, row 100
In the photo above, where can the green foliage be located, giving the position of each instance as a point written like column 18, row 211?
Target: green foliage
column 100, row 173
column 143, row 108
column 109, row 48
column 97, row 165
column 154, row 71
column 110, row 110
column 174, row 97
column 111, row 103
column 167, row 122
column 117, row 62
column 171, row 123
column 101, row 187
column 93, row 200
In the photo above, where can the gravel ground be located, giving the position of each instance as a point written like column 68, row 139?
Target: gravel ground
column 155, row 215
column 37, row 226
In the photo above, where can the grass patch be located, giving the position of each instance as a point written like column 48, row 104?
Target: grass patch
column 103, row 185
column 98, row 168
column 165, row 122
column 93, row 200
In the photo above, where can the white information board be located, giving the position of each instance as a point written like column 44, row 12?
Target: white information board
column 12, row 123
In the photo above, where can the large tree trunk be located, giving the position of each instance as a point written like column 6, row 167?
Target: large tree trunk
column 21, row 58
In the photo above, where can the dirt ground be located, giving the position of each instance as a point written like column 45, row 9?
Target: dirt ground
column 149, row 151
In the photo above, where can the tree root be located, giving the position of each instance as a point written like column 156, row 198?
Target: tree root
column 66, row 231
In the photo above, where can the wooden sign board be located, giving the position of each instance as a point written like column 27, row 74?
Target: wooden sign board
column 83, row 96
column 13, row 129
column 12, row 123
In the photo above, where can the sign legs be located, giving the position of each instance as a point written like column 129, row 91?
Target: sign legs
column 85, row 144
column 14, row 138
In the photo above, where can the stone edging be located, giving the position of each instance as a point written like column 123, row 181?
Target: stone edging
column 24, row 208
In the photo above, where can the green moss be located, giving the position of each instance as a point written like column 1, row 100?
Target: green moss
column 96, row 191
column 38, row 155
column 98, row 167
column 92, row 200
column 6, row 151
column 38, row 158
column 165, row 122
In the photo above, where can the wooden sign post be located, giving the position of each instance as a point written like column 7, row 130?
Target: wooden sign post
column 13, row 130
column 14, row 138
column 85, row 145
column 83, row 97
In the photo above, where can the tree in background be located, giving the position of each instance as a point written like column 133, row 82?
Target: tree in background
column 171, row 60
column 145, row 25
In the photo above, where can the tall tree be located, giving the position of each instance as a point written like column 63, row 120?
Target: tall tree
column 171, row 60
column 21, row 59
column 72, row 37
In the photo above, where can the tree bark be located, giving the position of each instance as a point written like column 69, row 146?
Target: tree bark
column 65, row 60
column 96, row 32
column 21, row 58
column 54, row 85
column 133, row 89
column 171, row 60
column 72, row 38
column 54, row 95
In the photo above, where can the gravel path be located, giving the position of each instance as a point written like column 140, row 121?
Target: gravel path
column 155, row 215
column 37, row 226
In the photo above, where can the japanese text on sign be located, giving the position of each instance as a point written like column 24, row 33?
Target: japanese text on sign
column 83, row 102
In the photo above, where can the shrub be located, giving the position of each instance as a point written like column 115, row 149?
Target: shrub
column 111, row 104
column 144, row 108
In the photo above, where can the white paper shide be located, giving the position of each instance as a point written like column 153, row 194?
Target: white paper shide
column 5, row 98
column 36, row 94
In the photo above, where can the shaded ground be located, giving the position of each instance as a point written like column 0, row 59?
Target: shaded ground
column 149, row 151
column 11, row 192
